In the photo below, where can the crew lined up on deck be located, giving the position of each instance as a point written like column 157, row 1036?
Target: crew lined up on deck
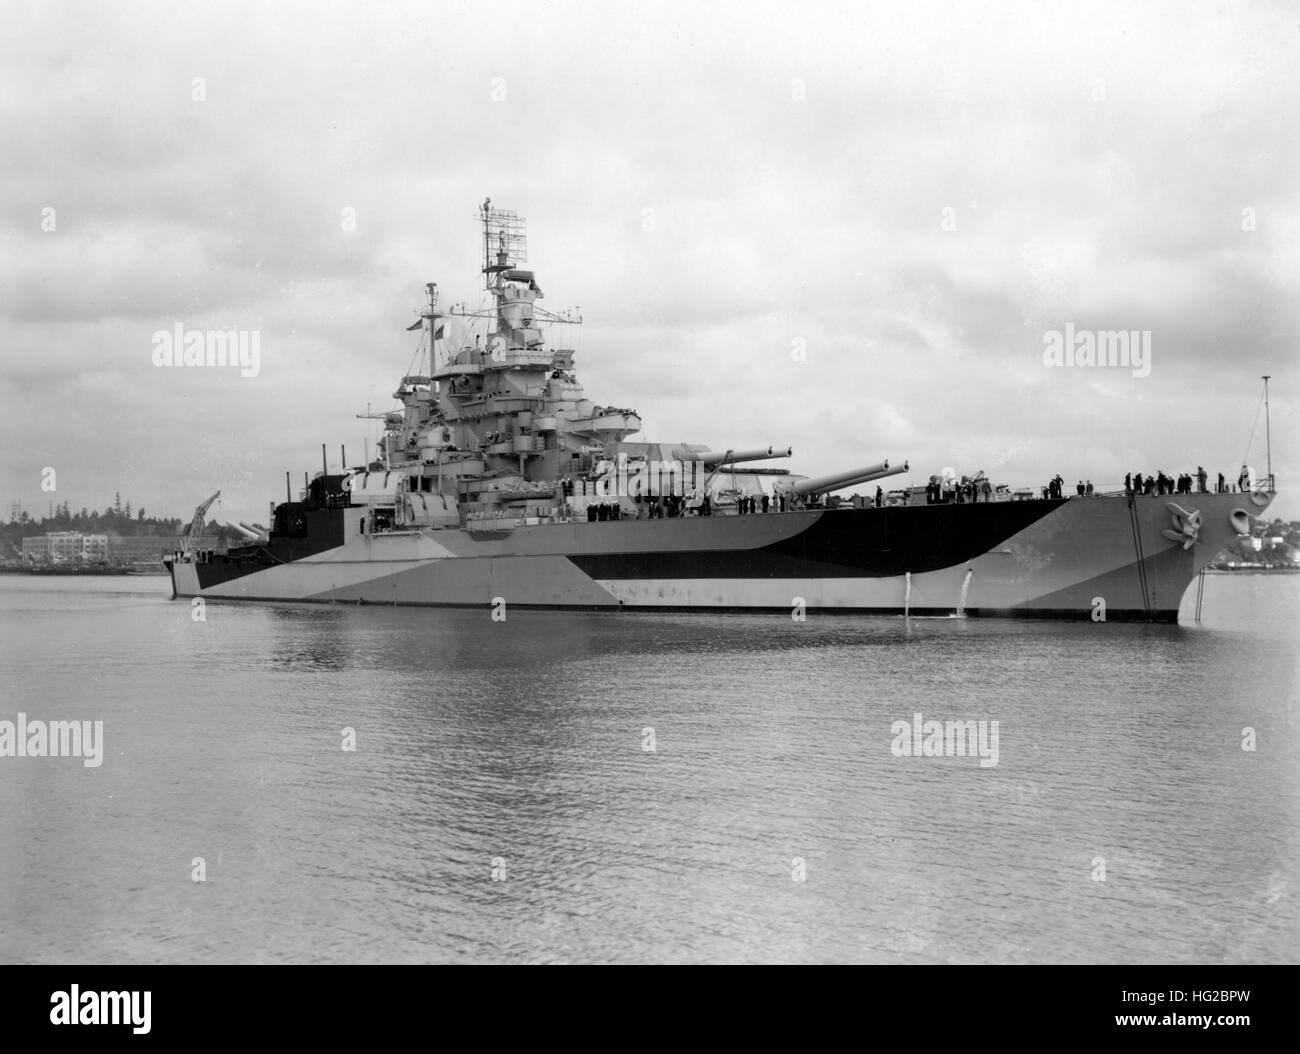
column 668, row 506
column 944, row 491
column 1136, row 483
column 939, row 491
column 604, row 510
column 672, row 506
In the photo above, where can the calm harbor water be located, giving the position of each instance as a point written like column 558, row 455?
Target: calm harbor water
column 500, row 805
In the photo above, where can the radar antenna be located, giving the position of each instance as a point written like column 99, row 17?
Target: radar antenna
column 505, row 243
column 505, row 246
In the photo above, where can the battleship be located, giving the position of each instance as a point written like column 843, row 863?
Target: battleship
column 500, row 482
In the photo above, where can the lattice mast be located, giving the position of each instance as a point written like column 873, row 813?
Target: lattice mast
column 505, row 242
column 514, row 289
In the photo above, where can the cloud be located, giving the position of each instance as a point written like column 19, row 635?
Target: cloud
column 916, row 194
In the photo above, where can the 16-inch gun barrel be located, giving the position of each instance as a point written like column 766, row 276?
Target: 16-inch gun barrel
column 822, row 484
column 732, row 456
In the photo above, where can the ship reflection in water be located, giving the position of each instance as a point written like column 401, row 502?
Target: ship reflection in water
column 603, row 787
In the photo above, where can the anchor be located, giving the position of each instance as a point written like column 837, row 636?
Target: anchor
column 1187, row 525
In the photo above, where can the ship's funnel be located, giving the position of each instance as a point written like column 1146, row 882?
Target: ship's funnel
column 732, row 457
column 822, row 484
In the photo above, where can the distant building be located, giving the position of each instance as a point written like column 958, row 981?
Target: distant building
column 66, row 547
column 73, row 547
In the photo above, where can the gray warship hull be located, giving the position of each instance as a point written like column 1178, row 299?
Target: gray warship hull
column 1111, row 557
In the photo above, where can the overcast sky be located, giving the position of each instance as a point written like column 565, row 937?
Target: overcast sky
column 912, row 194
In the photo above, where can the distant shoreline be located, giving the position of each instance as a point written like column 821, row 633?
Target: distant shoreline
column 81, row 572
column 1256, row 569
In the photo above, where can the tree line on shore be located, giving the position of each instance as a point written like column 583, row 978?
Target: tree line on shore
column 117, row 520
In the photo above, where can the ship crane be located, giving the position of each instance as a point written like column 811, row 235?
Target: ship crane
column 196, row 526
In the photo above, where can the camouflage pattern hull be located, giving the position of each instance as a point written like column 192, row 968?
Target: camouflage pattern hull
column 1129, row 559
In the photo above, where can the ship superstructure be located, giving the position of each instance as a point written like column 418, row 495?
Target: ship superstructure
column 502, row 427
